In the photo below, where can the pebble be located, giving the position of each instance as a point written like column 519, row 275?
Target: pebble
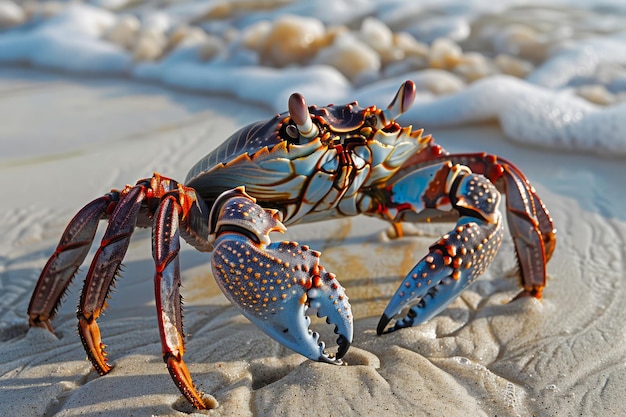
column 46, row 9
column 353, row 58
column 409, row 45
column 124, row 31
column 253, row 37
column 11, row 14
column 292, row 40
column 597, row 94
column 444, row 54
column 210, row 47
column 522, row 41
column 406, row 65
column 473, row 66
column 438, row 82
column 150, row 45
column 185, row 35
column 376, row 34
column 511, row 65
column 377, row 48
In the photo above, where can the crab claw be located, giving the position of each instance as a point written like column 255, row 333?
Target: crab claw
column 454, row 262
column 274, row 284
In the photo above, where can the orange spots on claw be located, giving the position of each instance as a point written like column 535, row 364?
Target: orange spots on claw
column 451, row 249
column 317, row 281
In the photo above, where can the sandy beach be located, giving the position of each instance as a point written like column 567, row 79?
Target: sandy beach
column 68, row 137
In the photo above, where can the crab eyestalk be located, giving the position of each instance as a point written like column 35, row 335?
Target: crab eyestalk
column 299, row 113
column 402, row 101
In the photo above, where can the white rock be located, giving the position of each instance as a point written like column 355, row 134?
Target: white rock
column 46, row 9
column 391, row 55
column 409, row 45
column 597, row 94
column 351, row 57
column 620, row 97
column 230, row 34
column 610, row 72
column 474, row 65
column 111, row 4
column 185, row 35
column 210, row 47
column 150, row 45
column 408, row 64
column 428, row 28
column 157, row 21
column 253, row 37
column 376, row 34
column 444, row 54
column 124, row 32
column 522, row 41
column 438, row 82
column 292, row 40
column 511, row 65
column 11, row 14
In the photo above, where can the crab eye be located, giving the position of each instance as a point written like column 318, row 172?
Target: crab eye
column 292, row 132
column 371, row 121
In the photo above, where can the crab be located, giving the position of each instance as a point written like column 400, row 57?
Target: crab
column 307, row 164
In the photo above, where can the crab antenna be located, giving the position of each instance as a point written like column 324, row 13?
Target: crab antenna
column 402, row 101
column 299, row 113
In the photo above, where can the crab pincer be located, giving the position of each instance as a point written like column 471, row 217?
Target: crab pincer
column 275, row 284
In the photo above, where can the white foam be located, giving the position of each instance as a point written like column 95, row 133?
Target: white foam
column 531, row 114
column 69, row 41
column 579, row 60
column 541, row 111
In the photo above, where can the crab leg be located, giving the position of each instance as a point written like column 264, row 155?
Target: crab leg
column 460, row 256
column 68, row 256
column 166, row 246
column 104, row 267
column 533, row 231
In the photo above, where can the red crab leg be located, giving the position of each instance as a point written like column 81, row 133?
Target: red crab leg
column 63, row 264
column 530, row 223
column 166, row 246
column 104, row 267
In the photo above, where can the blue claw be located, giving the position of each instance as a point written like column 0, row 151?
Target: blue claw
column 273, row 284
column 454, row 262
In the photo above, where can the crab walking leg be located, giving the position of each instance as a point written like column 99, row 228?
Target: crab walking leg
column 63, row 264
column 104, row 267
column 165, row 249
column 459, row 257
column 531, row 226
